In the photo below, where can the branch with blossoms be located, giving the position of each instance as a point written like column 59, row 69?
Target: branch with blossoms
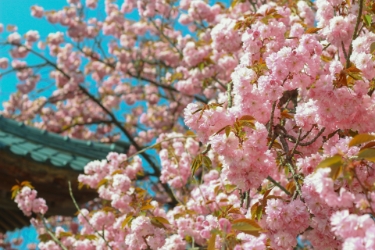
column 109, row 113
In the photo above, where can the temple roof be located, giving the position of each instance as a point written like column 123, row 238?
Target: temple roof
column 56, row 150
column 49, row 161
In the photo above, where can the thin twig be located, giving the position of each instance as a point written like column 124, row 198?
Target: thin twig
column 278, row 185
column 325, row 47
column 270, row 125
column 153, row 145
column 254, row 6
column 166, row 87
column 23, row 68
column 207, row 149
column 52, row 235
column 167, row 38
column 307, row 133
column 219, row 82
column 313, row 140
column 359, row 17
column 365, row 190
column 132, row 141
column 87, row 220
column 290, row 166
column 83, row 124
column 229, row 93
column 247, row 199
column 297, row 143
column 295, row 178
column 344, row 51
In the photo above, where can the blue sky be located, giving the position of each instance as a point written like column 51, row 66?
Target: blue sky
column 17, row 12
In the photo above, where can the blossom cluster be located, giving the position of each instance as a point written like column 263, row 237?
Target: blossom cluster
column 28, row 203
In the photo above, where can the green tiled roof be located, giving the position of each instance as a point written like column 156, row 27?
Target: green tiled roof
column 46, row 147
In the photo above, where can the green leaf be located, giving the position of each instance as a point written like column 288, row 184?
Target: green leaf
column 234, row 211
column 127, row 220
column 81, row 185
column 369, row 145
column 91, row 237
column 216, row 189
column 27, row 184
column 227, row 130
column 248, row 118
column 331, row 162
column 118, row 171
column 157, row 146
column 177, row 216
column 176, row 76
column 259, row 212
column 201, row 66
column 367, row 19
column 102, row 182
column 247, row 226
column 140, row 191
column 44, row 237
column 367, row 154
column 207, row 161
column 190, row 133
column 197, row 162
column 65, row 234
column 229, row 188
column 335, row 163
column 254, row 209
column 161, row 220
column 209, row 202
column 109, row 209
column 360, row 139
column 211, row 242
column 234, row 3
column 147, row 207
column 355, row 76
column 325, row 58
column 248, row 124
column 312, row 30
column 336, row 172
column 265, row 197
column 353, row 69
column 222, row 129
column 372, row 47
column 15, row 189
column 277, row 16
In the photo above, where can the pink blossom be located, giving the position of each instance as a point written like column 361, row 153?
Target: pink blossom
column 4, row 63
column 92, row 4
column 14, row 38
column 28, row 203
column 37, row 11
column 225, row 37
column 174, row 242
column 32, row 36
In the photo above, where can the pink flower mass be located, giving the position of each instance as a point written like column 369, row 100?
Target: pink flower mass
column 251, row 126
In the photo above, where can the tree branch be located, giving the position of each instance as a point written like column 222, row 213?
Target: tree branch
column 355, row 32
column 278, row 185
